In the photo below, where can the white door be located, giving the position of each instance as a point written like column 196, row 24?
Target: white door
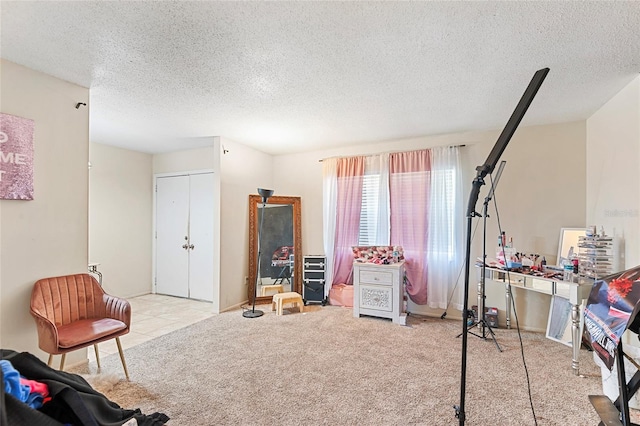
column 201, row 237
column 172, row 234
column 184, row 236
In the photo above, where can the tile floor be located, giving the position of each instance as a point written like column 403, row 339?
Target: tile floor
column 153, row 315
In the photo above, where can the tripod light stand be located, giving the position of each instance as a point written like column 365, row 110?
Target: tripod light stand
column 265, row 194
column 482, row 322
column 482, row 171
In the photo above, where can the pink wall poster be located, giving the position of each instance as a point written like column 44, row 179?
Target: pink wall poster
column 16, row 157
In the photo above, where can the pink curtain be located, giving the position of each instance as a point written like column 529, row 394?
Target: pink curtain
column 409, row 183
column 350, row 173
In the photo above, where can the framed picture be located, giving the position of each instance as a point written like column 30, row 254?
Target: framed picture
column 16, row 167
column 559, row 322
column 568, row 243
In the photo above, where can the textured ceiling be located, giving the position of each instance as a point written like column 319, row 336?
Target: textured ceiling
column 299, row 76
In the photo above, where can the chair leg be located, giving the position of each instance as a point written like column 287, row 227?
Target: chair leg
column 95, row 347
column 50, row 360
column 62, row 361
column 124, row 364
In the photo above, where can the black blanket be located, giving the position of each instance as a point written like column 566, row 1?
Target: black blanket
column 73, row 401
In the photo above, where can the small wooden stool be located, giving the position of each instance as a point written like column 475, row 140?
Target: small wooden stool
column 281, row 298
column 278, row 287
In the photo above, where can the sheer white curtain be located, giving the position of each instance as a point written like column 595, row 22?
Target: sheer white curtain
column 329, row 211
column 445, row 253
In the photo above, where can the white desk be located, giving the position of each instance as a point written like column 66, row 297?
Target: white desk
column 576, row 293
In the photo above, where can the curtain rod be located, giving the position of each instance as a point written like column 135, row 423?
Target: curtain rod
column 387, row 152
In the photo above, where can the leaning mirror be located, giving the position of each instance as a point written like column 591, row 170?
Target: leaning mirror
column 280, row 247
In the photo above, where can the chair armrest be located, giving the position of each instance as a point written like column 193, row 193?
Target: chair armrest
column 47, row 333
column 117, row 308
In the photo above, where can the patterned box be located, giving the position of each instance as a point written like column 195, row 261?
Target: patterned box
column 380, row 255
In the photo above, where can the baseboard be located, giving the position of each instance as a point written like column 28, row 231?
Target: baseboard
column 234, row 307
column 139, row 294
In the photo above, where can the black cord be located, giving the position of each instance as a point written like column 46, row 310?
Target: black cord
column 515, row 312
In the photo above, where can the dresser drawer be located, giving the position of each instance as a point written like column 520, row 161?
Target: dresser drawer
column 368, row 276
column 375, row 297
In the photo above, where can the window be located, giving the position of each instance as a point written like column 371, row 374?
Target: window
column 407, row 198
column 444, row 196
column 369, row 212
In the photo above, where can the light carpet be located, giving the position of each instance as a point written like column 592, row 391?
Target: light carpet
column 326, row 367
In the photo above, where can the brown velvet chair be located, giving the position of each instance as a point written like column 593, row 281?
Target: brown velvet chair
column 73, row 312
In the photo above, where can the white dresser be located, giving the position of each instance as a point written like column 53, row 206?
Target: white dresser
column 378, row 291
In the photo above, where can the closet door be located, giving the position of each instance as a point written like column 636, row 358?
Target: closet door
column 201, row 237
column 172, row 234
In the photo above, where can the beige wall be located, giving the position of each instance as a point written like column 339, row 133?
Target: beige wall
column 243, row 171
column 120, row 218
column 613, row 199
column 187, row 160
column 613, row 155
column 542, row 190
column 49, row 235
column 122, row 190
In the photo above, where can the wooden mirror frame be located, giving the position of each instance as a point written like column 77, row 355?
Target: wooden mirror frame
column 254, row 202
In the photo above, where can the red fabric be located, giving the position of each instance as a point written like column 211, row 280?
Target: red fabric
column 36, row 387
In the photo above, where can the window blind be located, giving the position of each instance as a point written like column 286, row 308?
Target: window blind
column 369, row 211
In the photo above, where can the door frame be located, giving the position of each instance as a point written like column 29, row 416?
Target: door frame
column 216, row 245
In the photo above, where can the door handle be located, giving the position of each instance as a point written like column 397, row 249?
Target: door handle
column 192, row 246
column 186, row 247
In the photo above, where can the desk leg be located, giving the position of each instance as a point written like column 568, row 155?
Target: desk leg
column 576, row 339
column 507, row 310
